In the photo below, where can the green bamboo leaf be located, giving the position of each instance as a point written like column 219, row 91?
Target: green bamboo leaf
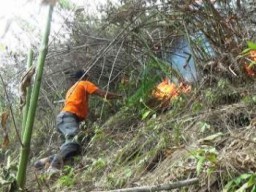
column 252, row 63
column 246, row 51
column 253, row 188
column 244, row 187
column 238, row 181
column 241, row 178
column 199, row 165
column 228, row 186
column 251, row 181
column 245, row 176
column 251, row 45
column 145, row 115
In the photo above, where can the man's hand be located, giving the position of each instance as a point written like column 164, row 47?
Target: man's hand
column 107, row 95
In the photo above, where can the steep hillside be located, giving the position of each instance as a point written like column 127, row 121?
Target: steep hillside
column 206, row 134
column 215, row 145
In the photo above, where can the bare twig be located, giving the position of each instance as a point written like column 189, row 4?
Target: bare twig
column 38, row 183
column 166, row 186
column 111, row 72
column 10, row 106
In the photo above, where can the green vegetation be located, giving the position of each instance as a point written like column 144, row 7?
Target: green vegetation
column 208, row 133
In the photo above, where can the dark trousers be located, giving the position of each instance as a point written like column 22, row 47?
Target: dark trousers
column 68, row 126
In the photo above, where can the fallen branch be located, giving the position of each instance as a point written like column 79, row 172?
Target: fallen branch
column 166, row 186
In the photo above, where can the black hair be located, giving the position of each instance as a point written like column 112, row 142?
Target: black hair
column 79, row 74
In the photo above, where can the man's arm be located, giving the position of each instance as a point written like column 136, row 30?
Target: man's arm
column 108, row 95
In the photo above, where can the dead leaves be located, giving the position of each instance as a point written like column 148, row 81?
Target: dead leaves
column 211, row 140
column 24, row 84
column 4, row 117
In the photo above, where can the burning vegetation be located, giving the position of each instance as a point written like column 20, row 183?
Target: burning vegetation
column 249, row 66
column 166, row 91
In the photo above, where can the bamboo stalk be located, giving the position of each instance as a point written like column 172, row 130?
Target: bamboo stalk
column 24, row 153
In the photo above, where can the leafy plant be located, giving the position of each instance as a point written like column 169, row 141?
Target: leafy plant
column 242, row 183
column 251, row 46
column 119, row 179
column 222, row 84
column 8, row 173
column 204, row 126
column 197, row 106
column 65, row 4
column 98, row 164
column 249, row 100
column 209, row 95
column 145, row 114
column 177, row 134
column 98, row 134
column 68, row 179
column 206, row 158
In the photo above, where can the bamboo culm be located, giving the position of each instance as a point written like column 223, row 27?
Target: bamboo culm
column 24, row 153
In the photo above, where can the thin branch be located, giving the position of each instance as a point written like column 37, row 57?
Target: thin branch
column 102, row 69
column 114, row 62
column 111, row 72
column 10, row 106
column 166, row 186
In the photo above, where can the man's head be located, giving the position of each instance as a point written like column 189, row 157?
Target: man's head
column 79, row 74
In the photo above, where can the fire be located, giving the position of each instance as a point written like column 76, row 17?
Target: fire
column 168, row 91
column 250, row 70
column 165, row 90
column 253, row 55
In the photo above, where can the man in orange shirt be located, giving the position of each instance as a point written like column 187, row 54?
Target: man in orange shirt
column 74, row 111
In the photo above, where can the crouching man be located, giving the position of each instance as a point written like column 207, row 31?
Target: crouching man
column 74, row 111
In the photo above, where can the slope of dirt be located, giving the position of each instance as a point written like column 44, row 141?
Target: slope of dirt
column 214, row 144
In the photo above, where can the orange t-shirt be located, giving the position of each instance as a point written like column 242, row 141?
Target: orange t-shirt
column 77, row 98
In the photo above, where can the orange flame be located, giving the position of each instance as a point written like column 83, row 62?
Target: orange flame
column 168, row 91
column 253, row 55
column 250, row 70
